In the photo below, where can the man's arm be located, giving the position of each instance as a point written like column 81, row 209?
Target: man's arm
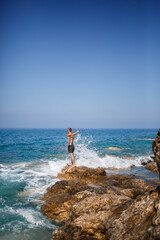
column 67, row 135
column 75, row 133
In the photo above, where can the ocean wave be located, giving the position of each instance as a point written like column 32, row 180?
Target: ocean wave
column 32, row 218
column 90, row 158
column 38, row 175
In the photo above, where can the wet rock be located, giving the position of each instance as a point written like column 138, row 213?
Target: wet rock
column 112, row 168
column 128, row 157
column 145, row 161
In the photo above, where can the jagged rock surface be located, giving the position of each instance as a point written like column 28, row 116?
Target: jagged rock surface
column 93, row 205
column 152, row 166
column 156, row 150
column 137, row 221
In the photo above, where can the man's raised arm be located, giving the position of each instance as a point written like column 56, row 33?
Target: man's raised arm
column 75, row 133
column 67, row 135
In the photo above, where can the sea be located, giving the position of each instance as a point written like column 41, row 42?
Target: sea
column 30, row 160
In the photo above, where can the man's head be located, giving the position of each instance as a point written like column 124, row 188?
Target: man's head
column 69, row 130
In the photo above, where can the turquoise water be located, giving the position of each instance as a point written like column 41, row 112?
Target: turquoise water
column 29, row 157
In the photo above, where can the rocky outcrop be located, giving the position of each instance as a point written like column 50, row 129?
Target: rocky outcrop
column 137, row 221
column 156, row 150
column 145, row 161
column 83, row 173
column 152, row 166
column 93, row 205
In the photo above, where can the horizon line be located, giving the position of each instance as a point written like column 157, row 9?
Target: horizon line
column 72, row 128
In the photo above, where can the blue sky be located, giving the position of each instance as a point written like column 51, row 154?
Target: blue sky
column 80, row 64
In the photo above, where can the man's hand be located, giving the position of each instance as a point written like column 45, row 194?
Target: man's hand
column 76, row 133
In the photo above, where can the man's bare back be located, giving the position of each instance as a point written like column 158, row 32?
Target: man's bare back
column 70, row 136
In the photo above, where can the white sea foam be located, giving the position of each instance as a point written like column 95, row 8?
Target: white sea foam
column 32, row 218
column 90, row 158
column 38, row 174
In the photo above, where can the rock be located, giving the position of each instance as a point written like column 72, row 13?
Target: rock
column 82, row 173
column 112, row 168
column 155, row 231
column 128, row 157
column 87, row 199
column 113, row 148
column 145, row 161
column 140, row 220
column 152, row 166
column 88, row 214
column 60, row 198
column 153, row 157
column 156, row 150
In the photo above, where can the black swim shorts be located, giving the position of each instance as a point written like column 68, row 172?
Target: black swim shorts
column 70, row 148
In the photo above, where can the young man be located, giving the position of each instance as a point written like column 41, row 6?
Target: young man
column 70, row 136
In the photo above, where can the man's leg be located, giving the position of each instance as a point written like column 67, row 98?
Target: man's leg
column 72, row 159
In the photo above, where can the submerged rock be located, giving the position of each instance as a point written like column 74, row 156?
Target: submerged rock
column 114, row 148
column 93, row 205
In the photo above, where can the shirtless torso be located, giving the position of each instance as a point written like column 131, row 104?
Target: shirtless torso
column 70, row 139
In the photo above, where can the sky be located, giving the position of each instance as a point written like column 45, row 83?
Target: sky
column 79, row 64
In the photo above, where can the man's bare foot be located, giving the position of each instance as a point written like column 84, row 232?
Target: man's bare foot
column 73, row 166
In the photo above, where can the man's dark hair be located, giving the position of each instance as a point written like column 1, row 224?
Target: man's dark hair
column 70, row 129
